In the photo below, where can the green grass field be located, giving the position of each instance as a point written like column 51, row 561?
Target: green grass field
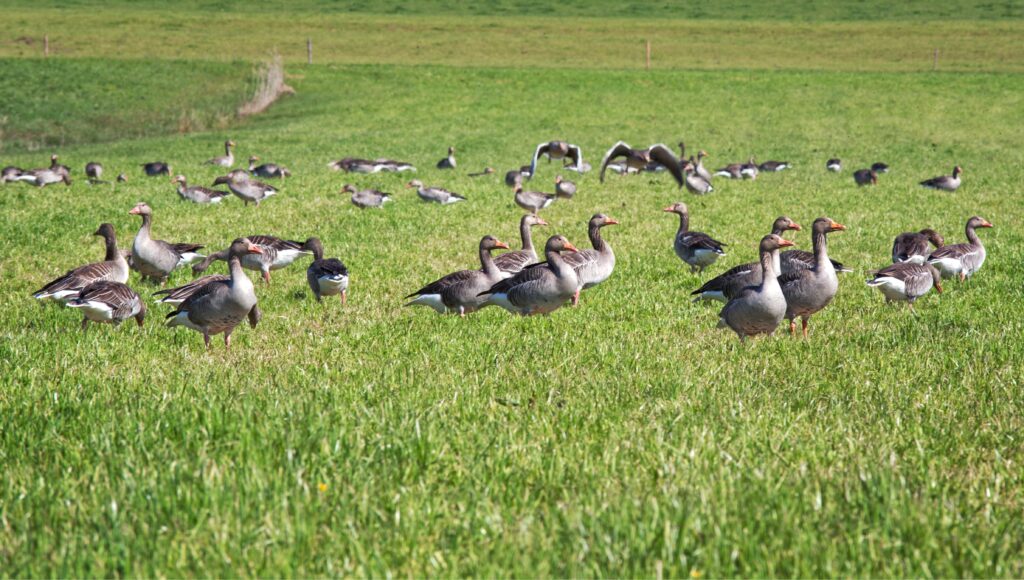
column 625, row 437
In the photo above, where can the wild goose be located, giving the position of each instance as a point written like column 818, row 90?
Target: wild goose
column 461, row 291
column 122, row 178
column 434, row 194
column 156, row 259
column 879, row 167
column 732, row 171
column 108, row 302
column 695, row 183
column 274, row 254
column 10, row 174
column 729, row 283
column 179, row 294
column 515, row 175
column 512, row 262
column 564, row 188
column 326, row 277
column 197, row 193
column 758, row 308
column 448, row 162
column 94, row 171
column 539, row 290
column 156, row 168
column 945, row 182
column 364, row 198
column 749, row 169
column 912, row 247
column 557, row 150
column 241, row 185
column 699, row 168
column 697, row 249
column 55, row 173
column 906, row 281
column 581, row 167
column 219, row 306
column 267, row 170
column 809, row 291
column 355, row 165
column 591, row 266
column 638, row 159
column 834, row 165
column 771, row 166
column 864, row 177
column 227, row 160
column 794, row 260
column 532, row 201
column 962, row 260
column 113, row 268
column 486, row 171
column 391, row 166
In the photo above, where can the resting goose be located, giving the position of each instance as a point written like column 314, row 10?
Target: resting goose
column 834, row 165
column 564, row 188
column 241, row 185
column 108, row 302
column 392, row 166
column 695, row 183
column 448, row 162
column 156, row 259
column 355, row 165
column 808, row 291
column 728, row 284
column 557, row 150
column 219, row 306
column 638, row 159
column 512, row 262
column 732, row 171
column 55, row 173
column 434, row 194
column 267, row 170
column 945, row 182
column 962, row 260
column 364, row 198
column 156, row 168
column 326, row 277
column 592, row 266
column 879, row 167
column 197, row 193
column 758, row 308
column 538, row 290
column 113, row 268
column 697, row 249
column 94, row 171
column 10, row 174
column 906, row 281
column 274, row 254
column 532, row 201
column 227, row 160
column 486, row 171
column 865, row 177
column 461, row 291
column 749, row 169
column 913, row 246
column 771, row 166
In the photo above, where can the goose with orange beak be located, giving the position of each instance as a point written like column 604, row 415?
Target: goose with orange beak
column 962, row 260
column 460, row 292
column 541, row 289
column 906, row 282
column 758, row 309
column 810, row 290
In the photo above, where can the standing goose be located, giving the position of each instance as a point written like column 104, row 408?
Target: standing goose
column 448, row 162
column 699, row 168
column 113, row 268
column 864, row 177
column 834, row 165
column 945, row 182
column 532, row 201
column 695, row 183
column 267, row 170
column 240, row 184
column 221, row 305
column 962, row 260
column 434, row 194
column 156, row 168
column 94, row 171
column 512, row 262
column 227, row 160
column 879, row 167
column 906, row 281
column 564, row 187
column 274, row 254
column 364, row 198
column 538, row 290
column 808, row 291
column 758, row 309
column 326, row 277
column 156, row 259
column 461, row 291
column 697, row 249
column 638, row 159
column 729, row 283
column 913, row 246
column 592, row 266
column 486, row 171
column 109, row 302
column 197, row 193
column 771, row 166
column 515, row 175
column 558, row 150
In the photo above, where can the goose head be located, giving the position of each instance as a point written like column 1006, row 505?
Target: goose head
column 229, row 143
column 414, row 183
column 702, row 154
column 772, row 242
column 934, row 237
column 825, row 225
column 559, row 244
column 315, row 246
column 678, row 208
column 957, row 171
column 936, row 278
column 253, row 159
column 242, row 246
column 533, row 220
column 492, row 243
column 600, row 220
column 106, row 231
column 141, row 208
column 122, row 178
column 784, row 223
column 178, row 179
column 978, row 222
column 348, row 188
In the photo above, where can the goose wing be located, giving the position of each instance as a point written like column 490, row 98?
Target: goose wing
column 620, row 149
column 664, row 156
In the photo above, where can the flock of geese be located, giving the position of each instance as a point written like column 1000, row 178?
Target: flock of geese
column 758, row 296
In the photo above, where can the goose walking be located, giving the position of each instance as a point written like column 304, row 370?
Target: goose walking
column 364, row 198
column 108, row 302
column 945, row 182
column 227, row 160
column 564, row 188
column 197, row 193
column 434, row 194
column 697, row 249
column 274, row 254
column 156, row 259
column 809, row 291
column 906, row 282
column 729, row 283
column 448, row 162
column 758, row 309
column 267, row 170
column 558, row 150
column 538, row 290
column 512, row 262
column 326, row 277
column 962, row 260
column 639, row 159
column 240, row 184
column 113, row 268
column 913, row 246
column 461, row 291
column 156, row 168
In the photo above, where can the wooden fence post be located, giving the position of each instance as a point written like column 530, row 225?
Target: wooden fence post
column 935, row 60
column 309, row 51
column 46, row 45
column 648, row 55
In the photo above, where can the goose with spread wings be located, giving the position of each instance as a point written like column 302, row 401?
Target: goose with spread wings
column 557, row 150
column 638, row 159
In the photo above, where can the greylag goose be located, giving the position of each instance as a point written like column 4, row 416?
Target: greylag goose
column 219, row 306
column 156, row 259
column 699, row 168
column 326, row 277
column 227, row 160
column 913, row 246
column 355, row 165
column 113, row 268
column 434, row 194
column 865, row 177
column 532, row 201
column 197, row 193
column 564, row 187
column 240, row 184
column 486, row 171
column 364, row 198
column 557, row 150
column 94, row 171
column 122, row 178
column 945, row 182
column 695, row 183
column 749, row 169
column 392, row 166
column 55, row 173
column 771, row 166
column 810, row 290
column 179, row 294
column 732, row 171
column 962, row 260
column 267, row 170
column 156, row 168
column 109, row 302
column 581, row 167
column 512, row 262
column 274, row 254
column 758, row 309
column 639, row 159
column 697, row 249
column 879, row 167
column 448, row 162
column 539, row 290
column 834, row 165
column 514, row 176
column 728, row 284
column 461, row 291
column 10, row 174
column 591, row 266
column 906, row 281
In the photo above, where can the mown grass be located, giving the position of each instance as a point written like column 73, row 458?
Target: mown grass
column 624, row 437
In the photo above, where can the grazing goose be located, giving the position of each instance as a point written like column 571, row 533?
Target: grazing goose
column 461, row 291
column 532, row 201
column 945, row 182
column 564, row 188
column 486, row 171
column 219, row 306
column 113, row 268
column 834, row 165
column 810, row 290
column 434, row 194
column 906, row 281
column 558, row 150
column 514, row 176
column 749, row 169
column 267, row 170
column 759, row 307
column 512, row 262
column 326, row 277
column 695, row 183
column 240, row 184
column 697, row 249
column 913, row 246
column 699, row 168
column 94, row 171
column 156, row 259
column 962, row 260
column 865, row 177
column 638, row 159
column 197, row 193
column 55, row 173
column 274, row 254
column 109, row 302
column 879, row 167
column 592, row 266
column 539, row 290
column 448, row 162
column 227, row 160
column 156, row 168
column 10, row 174
column 364, row 198
column 729, row 283
column 771, row 166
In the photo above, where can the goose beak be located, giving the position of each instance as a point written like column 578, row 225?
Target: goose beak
column 133, row 211
column 668, row 209
column 501, row 245
column 836, row 226
column 611, row 222
column 253, row 249
column 795, row 226
column 786, row 243
column 570, row 247
column 986, row 224
column 541, row 222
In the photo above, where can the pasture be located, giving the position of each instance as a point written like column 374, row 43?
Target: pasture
column 624, row 437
